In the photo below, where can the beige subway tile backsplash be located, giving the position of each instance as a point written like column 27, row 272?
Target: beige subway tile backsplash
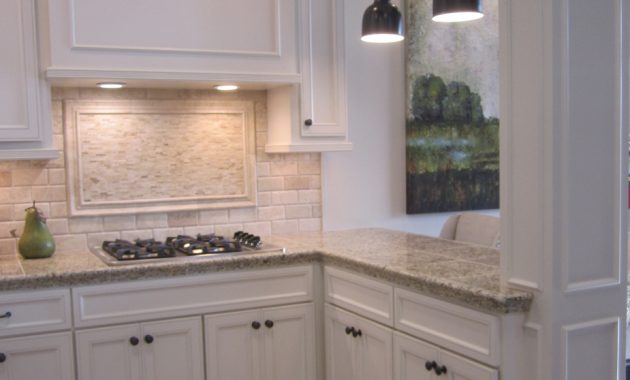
column 86, row 224
column 136, row 234
column 288, row 187
column 284, row 226
column 6, row 213
column 298, row 211
column 270, row 183
column 242, row 215
column 36, row 176
column 8, row 246
column 284, row 168
column 183, row 218
column 284, row 197
column 119, row 222
column 153, row 220
column 213, row 216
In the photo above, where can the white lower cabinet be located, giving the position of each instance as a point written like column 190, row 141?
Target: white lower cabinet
column 266, row 344
column 417, row 360
column 356, row 349
column 37, row 357
column 163, row 350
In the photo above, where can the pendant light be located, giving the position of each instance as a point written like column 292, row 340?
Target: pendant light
column 457, row 10
column 382, row 23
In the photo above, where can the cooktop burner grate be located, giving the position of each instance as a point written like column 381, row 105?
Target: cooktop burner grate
column 116, row 252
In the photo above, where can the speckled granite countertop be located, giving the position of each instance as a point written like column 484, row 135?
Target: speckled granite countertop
column 455, row 272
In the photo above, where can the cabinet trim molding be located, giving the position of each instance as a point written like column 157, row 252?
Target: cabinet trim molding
column 166, row 298
column 275, row 52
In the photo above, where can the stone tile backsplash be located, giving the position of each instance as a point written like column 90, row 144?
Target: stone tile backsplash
column 288, row 198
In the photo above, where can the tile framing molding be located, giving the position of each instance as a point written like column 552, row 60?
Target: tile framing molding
column 77, row 206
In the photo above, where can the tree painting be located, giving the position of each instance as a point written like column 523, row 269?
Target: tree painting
column 452, row 129
column 452, row 149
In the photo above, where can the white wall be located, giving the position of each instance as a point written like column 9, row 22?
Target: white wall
column 366, row 187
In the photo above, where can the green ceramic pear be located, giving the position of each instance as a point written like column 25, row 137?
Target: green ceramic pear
column 36, row 241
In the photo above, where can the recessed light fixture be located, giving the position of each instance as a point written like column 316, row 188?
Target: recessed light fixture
column 226, row 87
column 382, row 23
column 457, row 10
column 111, row 85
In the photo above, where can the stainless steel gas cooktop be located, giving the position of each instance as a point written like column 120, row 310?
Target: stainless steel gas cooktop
column 181, row 247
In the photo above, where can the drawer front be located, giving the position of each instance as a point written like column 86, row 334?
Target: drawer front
column 366, row 297
column 155, row 299
column 459, row 329
column 33, row 312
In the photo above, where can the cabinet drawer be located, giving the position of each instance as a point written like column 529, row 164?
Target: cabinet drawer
column 34, row 312
column 366, row 297
column 156, row 299
column 459, row 329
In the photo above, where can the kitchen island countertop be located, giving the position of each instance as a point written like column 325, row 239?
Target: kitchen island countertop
column 460, row 273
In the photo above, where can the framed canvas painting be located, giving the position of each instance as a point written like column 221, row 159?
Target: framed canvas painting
column 452, row 121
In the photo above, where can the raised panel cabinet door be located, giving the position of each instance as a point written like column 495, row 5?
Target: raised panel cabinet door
column 411, row 357
column 323, row 90
column 193, row 39
column 109, row 353
column 37, row 357
column 289, row 339
column 19, row 93
column 460, row 368
column 234, row 346
column 172, row 349
column 340, row 346
column 375, row 350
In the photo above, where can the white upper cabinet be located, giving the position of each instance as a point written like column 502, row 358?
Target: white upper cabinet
column 25, row 124
column 247, row 40
column 323, row 77
column 316, row 120
column 294, row 48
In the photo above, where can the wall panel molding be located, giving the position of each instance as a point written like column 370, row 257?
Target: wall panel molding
column 127, row 157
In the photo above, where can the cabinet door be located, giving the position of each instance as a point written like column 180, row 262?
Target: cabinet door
column 289, row 339
column 109, row 353
column 19, row 97
column 410, row 358
column 341, row 348
column 323, row 78
column 375, row 350
column 172, row 349
column 37, row 357
column 194, row 39
column 459, row 368
column 233, row 346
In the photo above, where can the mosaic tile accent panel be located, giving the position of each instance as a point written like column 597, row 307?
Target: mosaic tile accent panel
column 161, row 156
column 125, row 157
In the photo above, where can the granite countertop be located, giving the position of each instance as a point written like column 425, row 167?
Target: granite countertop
column 460, row 273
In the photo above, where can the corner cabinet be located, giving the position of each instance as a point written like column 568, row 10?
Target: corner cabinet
column 356, row 348
column 418, row 360
column 25, row 122
column 316, row 120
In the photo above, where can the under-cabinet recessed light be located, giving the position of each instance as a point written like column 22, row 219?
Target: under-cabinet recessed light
column 111, row 85
column 226, row 87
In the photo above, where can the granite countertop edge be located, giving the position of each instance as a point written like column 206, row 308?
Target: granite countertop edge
column 494, row 302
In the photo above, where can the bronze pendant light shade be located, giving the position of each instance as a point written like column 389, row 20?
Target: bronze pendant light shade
column 382, row 23
column 457, row 10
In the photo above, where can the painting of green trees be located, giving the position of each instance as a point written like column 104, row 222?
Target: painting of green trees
column 452, row 149
column 451, row 111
